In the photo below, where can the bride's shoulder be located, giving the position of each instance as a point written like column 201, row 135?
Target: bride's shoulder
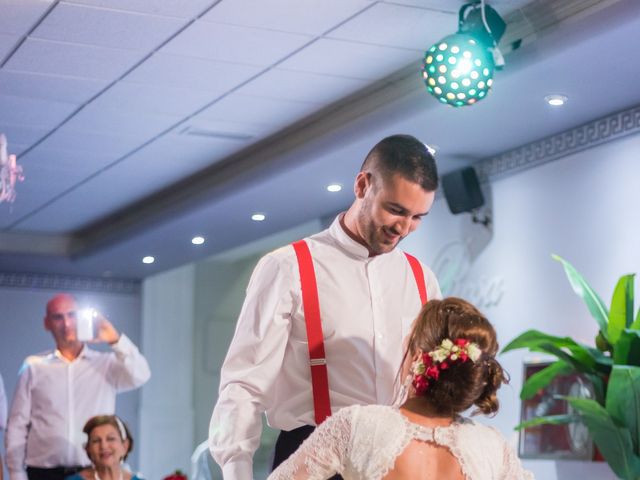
column 471, row 424
column 373, row 416
column 470, row 429
column 359, row 411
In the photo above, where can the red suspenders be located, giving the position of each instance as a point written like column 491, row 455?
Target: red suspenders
column 419, row 276
column 311, row 309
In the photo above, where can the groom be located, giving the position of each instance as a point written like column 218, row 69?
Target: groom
column 323, row 320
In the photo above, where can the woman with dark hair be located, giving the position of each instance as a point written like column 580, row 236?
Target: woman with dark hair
column 109, row 442
column 449, row 367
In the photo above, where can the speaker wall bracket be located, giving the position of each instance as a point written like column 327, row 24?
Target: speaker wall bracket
column 483, row 218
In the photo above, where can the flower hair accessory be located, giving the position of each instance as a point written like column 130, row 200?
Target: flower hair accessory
column 428, row 367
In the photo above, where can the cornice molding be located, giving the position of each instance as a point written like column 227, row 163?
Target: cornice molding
column 534, row 154
column 69, row 283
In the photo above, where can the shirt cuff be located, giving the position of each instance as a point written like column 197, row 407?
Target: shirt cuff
column 123, row 345
column 18, row 475
column 237, row 470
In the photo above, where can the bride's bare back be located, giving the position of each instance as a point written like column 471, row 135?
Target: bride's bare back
column 425, row 460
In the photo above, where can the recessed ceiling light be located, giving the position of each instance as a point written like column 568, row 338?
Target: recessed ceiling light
column 556, row 100
column 197, row 240
column 148, row 259
column 334, row 187
column 258, row 217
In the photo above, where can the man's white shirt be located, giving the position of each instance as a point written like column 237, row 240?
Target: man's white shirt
column 367, row 306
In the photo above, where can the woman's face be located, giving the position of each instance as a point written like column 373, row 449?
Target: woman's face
column 105, row 447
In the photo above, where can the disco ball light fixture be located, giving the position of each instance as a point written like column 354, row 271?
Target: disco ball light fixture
column 458, row 70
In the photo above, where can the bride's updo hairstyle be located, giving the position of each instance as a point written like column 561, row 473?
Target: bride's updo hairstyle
column 467, row 383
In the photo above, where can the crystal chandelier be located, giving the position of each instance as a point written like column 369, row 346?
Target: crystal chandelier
column 10, row 173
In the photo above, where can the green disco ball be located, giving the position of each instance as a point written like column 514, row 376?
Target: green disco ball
column 458, row 70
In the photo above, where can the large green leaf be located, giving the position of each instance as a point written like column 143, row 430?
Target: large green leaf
column 623, row 400
column 549, row 420
column 621, row 313
column 627, row 349
column 636, row 323
column 614, row 442
column 593, row 301
column 537, row 341
column 599, row 386
column 531, row 338
column 541, row 379
column 577, row 364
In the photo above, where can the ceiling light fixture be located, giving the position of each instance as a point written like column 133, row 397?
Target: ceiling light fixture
column 556, row 100
column 258, row 217
column 334, row 187
column 197, row 240
column 10, row 173
column 458, row 70
column 148, row 259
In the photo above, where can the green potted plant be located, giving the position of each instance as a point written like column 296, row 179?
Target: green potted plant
column 612, row 367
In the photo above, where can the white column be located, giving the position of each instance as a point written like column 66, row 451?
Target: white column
column 166, row 416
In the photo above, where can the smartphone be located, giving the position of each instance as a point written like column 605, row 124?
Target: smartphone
column 85, row 324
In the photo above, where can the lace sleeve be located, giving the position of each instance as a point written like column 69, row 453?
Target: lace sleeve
column 322, row 454
column 512, row 467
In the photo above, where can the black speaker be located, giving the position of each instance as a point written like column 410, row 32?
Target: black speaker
column 462, row 190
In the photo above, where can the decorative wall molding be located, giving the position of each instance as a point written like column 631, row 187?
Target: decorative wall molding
column 589, row 135
column 69, row 282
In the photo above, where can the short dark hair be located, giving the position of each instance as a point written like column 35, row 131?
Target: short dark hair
column 469, row 383
column 404, row 155
column 115, row 422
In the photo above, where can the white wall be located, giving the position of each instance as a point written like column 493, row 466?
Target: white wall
column 166, row 417
column 22, row 333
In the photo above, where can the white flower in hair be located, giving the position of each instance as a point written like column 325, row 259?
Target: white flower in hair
column 441, row 352
column 450, row 350
column 474, row 352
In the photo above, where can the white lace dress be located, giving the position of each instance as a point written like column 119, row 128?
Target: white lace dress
column 362, row 443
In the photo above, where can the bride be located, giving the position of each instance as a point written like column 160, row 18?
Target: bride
column 449, row 366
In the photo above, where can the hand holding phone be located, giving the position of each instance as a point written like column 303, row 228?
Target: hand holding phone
column 94, row 327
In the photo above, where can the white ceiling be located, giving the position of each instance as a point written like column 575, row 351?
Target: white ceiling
column 140, row 123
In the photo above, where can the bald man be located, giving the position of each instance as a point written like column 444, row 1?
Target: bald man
column 59, row 390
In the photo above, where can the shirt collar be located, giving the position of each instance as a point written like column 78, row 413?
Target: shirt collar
column 86, row 352
column 348, row 244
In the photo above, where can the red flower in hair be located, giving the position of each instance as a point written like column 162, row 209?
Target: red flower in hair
column 427, row 360
column 420, row 383
column 433, row 372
